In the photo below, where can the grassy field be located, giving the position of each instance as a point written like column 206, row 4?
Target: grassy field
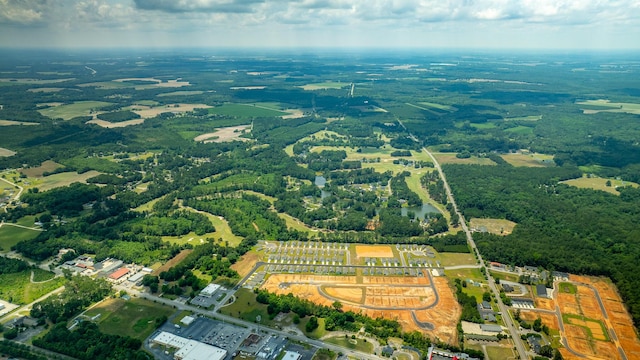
column 17, row 288
column 465, row 274
column 14, row 123
column 319, row 332
column 181, row 93
column 529, row 160
column 37, row 171
column 295, row 224
column 6, row 152
column 598, row 183
column 568, row 288
column 63, row 179
column 354, row 344
column 135, row 318
column 525, row 118
column 504, row 276
column 453, row 259
column 68, row 112
column 437, row 106
column 11, row 235
column 247, row 308
column 493, row 226
column 500, row 353
column 325, row 85
column 450, row 158
column 245, row 110
column 596, row 106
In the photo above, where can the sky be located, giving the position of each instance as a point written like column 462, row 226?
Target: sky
column 461, row 24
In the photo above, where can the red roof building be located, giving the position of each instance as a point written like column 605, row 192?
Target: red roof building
column 118, row 273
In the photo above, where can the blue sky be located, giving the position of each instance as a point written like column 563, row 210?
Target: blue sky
column 481, row 24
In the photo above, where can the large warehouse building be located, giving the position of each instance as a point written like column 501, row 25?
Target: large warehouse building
column 189, row 349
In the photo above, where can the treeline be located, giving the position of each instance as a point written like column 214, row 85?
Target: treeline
column 78, row 294
column 359, row 176
column 10, row 266
column 336, row 319
column 401, row 190
column 19, row 351
column 450, row 243
column 468, row 302
column 118, row 116
column 560, row 227
column 86, row 342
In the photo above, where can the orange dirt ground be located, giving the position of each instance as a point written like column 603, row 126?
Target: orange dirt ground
column 174, row 261
column 381, row 251
column 411, row 293
column 549, row 319
column 584, row 303
column 546, row 304
column 246, row 263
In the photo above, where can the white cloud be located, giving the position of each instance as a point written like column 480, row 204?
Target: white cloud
column 212, row 22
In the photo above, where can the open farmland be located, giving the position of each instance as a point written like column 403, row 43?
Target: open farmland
column 11, row 235
column 325, row 85
column 63, row 179
column 597, row 106
column 231, row 133
column 69, row 111
column 450, row 158
column 493, row 226
column 529, row 160
column 14, row 123
column 38, row 171
column 245, row 111
column 598, row 183
column 6, row 152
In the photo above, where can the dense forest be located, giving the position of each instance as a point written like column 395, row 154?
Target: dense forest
column 560, row 227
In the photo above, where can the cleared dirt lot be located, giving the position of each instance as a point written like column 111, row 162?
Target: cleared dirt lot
column 398, row 298
column 383, row 251
column 588, row 329
column 224, row 134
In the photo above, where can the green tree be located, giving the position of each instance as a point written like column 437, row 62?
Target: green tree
column 312, row 324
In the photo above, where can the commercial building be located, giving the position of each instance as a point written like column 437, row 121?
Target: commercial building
column 116, row 275
column 189, row 349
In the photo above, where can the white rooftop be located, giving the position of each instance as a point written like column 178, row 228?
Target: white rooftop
column 291, row 355
column 187, row 320
column 170, row 340
column 195, row 350
column 210, row 290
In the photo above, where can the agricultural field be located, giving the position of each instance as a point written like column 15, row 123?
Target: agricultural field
column 18, row 288
column 528, row 160
column 450, row 158
column 38, row 171
column 231, row 133
column 136, row 318
column 70, row 111
column 598, row 183
column 325, row 85
column 14, row 123
column 597, row 106
column 493, row 226
column 63, row 179
column 245, row 111
column 6, row 152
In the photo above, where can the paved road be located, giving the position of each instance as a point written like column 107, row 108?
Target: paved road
column 522, row 352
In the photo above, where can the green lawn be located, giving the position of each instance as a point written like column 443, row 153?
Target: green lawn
column 360, row 344
column 453, row 259
column 135, row 317
column 319, row 332
column 247, row 308
column 245, row 110
column 69, row 111
column 568, row 288
column 18, row 289
column 11, row 235
column 500, row 353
